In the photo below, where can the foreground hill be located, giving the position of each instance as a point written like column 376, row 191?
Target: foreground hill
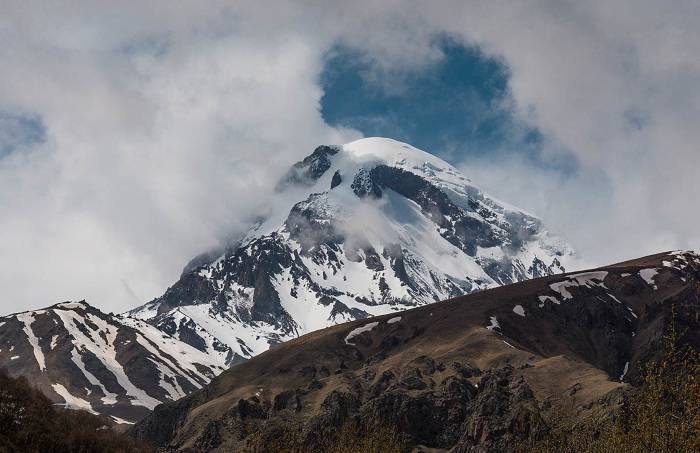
column 112, row 365
column 477, row 371
column 363, row 229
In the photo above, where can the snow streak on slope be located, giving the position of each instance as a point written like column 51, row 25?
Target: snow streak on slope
column 72, row 402
column 370, row 228
column 109, row 398
column 103, row 347
column 28, row 319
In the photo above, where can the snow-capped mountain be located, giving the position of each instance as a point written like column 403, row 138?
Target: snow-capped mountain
column 370, row 227
column 116, row 366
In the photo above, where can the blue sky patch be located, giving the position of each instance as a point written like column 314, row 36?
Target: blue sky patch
column 456, row 108
column 17, row 132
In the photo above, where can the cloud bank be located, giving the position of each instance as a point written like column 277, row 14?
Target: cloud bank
column 135, row 136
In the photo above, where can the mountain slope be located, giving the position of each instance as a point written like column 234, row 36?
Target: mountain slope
column 372, row 227
column 472, row 372
column 115, row 366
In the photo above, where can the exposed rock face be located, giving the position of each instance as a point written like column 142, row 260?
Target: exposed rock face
column 309, row 170
column 372, row 227
column 505, row 409
column 475, row 373
column 112, row 365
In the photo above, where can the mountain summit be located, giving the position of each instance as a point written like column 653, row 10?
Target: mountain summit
column 368, row 228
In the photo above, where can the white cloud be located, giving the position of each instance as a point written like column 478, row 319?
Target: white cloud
column 612, row 83
column 166, row 121
column 154, row 152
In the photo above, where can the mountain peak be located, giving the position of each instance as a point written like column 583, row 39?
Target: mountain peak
column 371, row 227
column 391, row 152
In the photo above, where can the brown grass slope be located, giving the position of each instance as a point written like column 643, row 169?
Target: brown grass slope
column 438, row 375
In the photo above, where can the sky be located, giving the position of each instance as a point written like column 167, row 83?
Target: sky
column 135, row 135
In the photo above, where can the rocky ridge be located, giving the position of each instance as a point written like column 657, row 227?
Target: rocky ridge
column 115, row 366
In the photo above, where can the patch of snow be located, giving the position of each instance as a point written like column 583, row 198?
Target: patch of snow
column 14, row 357
column 206, row 272
column 625, row 275
column 648, row 276
column 359, row 330
column 28, row 319
column 560, row 287
column 589, row 278
column 109, row 398
column 121, row 421
column 509, row 344
column 72, row 402
column 2, row 323
column 393, row 320
column 519, row 310
column 71, row 305
column 632, row 312
column 494, row 324
column 624, row 372
column 53, row 341
column 544, row 299
column 614, row 298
